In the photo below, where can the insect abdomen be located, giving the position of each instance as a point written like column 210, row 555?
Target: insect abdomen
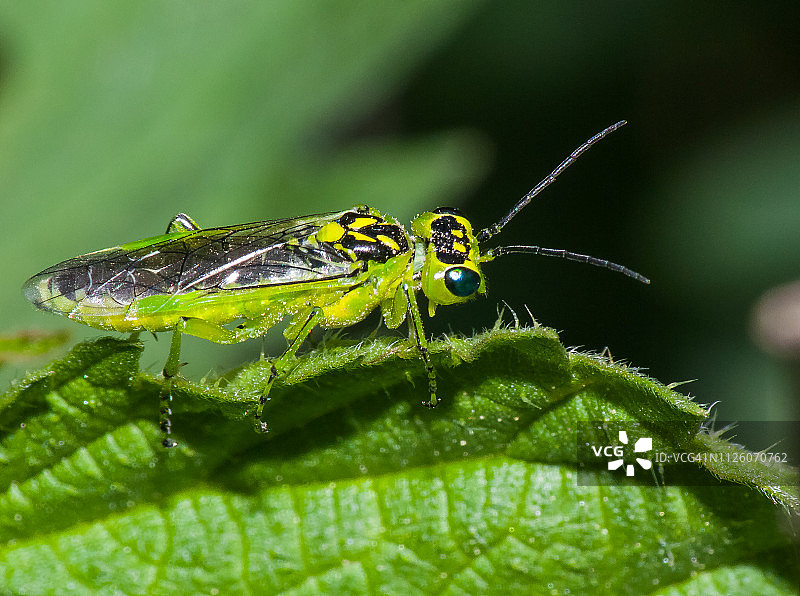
column 74, row 289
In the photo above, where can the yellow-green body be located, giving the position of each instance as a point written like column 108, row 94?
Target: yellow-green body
column 342, row 299
column 342, row 305
column 329, row 270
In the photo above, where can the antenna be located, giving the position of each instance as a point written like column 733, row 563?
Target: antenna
column 500, row 251
column 487, row 233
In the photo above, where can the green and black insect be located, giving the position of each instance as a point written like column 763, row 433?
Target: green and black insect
column 328, row 270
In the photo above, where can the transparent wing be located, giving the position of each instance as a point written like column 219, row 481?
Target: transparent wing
column 210, row 260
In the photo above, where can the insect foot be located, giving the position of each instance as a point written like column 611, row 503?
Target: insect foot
column 262, row 426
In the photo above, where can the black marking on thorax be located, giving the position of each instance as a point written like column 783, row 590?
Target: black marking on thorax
column 449, row 238
column 372, row 238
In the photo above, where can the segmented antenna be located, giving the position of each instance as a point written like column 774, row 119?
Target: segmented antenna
column 500, row 251
column 487, row 233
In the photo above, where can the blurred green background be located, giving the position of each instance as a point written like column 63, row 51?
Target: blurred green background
column 115, row 116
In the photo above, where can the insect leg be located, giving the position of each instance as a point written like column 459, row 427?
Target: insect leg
column 221, row 335
column 198, row 328
column 417, row 333
column 171, row 369
column 280, row 365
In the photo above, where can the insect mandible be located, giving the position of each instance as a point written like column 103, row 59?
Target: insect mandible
column 327, row 270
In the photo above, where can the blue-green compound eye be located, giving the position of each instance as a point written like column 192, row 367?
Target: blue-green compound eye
column 462, row 281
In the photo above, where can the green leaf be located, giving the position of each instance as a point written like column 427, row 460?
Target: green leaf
column 359, row 488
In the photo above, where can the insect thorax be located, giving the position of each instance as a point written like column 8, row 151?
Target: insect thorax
column 365, row 235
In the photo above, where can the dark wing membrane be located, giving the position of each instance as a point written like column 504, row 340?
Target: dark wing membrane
column 216, row 259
